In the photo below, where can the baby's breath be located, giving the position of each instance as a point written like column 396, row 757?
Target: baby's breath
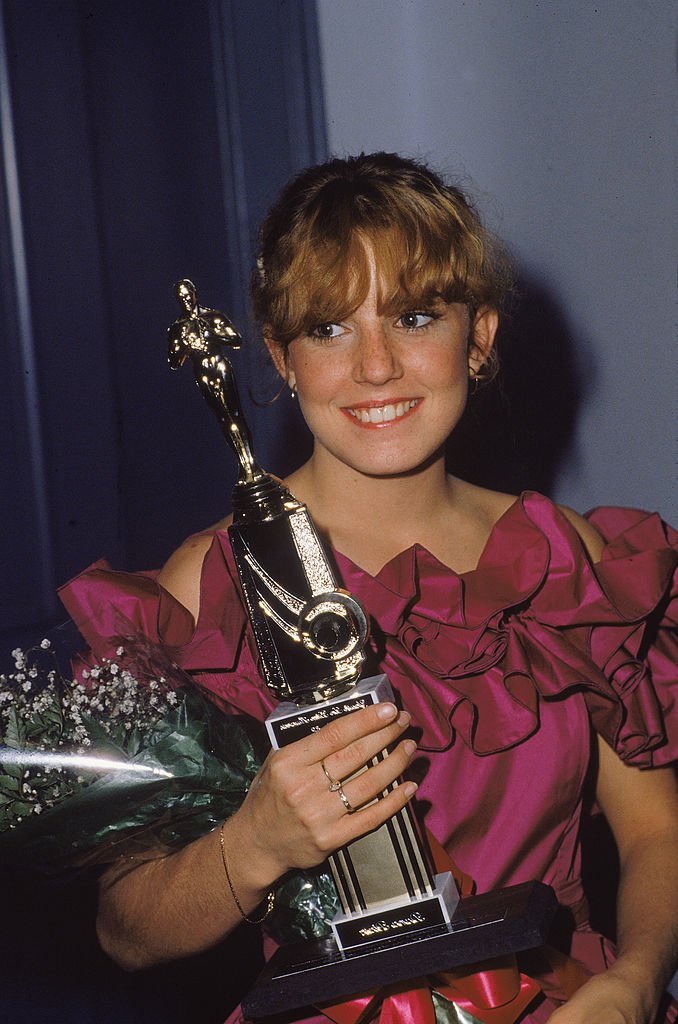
column 41, row 711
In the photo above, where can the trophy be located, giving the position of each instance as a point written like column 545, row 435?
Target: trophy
column 311, row 634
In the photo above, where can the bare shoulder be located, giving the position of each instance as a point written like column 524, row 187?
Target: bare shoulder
column 182, row 571
column 590, row 537
column 487, row 507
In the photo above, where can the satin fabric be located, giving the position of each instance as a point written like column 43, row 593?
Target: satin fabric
column 508, row 672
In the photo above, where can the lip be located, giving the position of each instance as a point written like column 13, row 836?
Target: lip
column 392, row 412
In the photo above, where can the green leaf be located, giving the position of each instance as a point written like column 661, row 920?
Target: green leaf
column 15, row 731
column 10, row 780
column 21, row 808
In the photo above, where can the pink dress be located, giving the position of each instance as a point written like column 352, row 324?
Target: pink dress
column 508, row 671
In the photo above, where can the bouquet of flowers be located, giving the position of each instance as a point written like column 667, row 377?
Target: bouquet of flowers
column 127, row 759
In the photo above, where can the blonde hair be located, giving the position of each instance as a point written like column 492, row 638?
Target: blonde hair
column 427, row 239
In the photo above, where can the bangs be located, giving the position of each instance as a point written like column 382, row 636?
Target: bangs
column 330, row 279
column 426, row 239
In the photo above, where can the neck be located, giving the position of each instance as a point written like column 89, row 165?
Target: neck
column 339, row 498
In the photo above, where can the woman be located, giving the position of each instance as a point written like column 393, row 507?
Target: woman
column 510, row 628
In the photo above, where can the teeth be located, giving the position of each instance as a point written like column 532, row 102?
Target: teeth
column 383, row 413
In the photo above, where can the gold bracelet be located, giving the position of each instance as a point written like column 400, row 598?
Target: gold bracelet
column 270, row 896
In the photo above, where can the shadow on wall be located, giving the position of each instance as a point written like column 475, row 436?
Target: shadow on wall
column 517, row 431
column 278, row 420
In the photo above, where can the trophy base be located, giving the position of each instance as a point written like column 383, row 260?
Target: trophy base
column 486, row 926
column 397, row 918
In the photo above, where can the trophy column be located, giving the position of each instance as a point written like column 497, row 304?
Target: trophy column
column 310, row 636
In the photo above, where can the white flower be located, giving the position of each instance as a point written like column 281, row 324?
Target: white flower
column 120, row 651
column 45, row 644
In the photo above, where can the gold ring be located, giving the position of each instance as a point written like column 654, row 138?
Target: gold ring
column 345, row 801
column 335, row 786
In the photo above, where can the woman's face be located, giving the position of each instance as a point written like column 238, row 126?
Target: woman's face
column 382, row 393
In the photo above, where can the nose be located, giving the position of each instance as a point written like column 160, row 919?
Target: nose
column 377, row 361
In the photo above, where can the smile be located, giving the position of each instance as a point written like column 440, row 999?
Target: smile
column 377, row 415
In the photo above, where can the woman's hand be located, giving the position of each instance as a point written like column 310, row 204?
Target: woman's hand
column 292, row 819
column 181, row 904
column 613, row 997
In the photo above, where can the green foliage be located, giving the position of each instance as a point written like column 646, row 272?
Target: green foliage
column 175, row 768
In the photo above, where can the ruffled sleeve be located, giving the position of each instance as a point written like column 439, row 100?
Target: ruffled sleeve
column 133, row 610
column 639, row 652
column 474, row 655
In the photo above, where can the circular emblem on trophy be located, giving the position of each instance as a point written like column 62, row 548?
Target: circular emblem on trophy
column 333, row 626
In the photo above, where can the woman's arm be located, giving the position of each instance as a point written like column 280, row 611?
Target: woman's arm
column 177, row 905
column 181, row 904
column 642, row 810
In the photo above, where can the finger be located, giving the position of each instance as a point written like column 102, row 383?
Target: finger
column 372, row 782
column 346, row 762
column 338, row 734
column 366, row 819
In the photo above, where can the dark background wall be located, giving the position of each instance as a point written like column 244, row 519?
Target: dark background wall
column 141, row 143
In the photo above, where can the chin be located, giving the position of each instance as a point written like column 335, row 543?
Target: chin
column 381, row 466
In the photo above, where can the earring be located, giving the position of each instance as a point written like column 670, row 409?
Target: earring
column 293, row 391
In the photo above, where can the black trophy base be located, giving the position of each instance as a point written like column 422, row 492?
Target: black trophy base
column 490, row 925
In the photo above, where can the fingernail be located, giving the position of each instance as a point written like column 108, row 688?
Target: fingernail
column 409, row 788
column 404, row 718
column 409, row 746
column 386, row 711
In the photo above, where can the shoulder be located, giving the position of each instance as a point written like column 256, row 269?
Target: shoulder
column 181, row 573
column 490, row 506
column 589, row 536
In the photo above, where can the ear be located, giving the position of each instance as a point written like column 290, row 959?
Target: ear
column 278, row 356
column 481, row 338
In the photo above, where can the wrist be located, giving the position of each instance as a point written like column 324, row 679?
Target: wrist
column 248, row 850
column 645, row 988
column 244, row 913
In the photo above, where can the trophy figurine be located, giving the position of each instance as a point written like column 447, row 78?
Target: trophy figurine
column 311, row 634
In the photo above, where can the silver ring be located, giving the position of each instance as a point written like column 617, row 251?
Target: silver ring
column 345, row 801
column 335, row 786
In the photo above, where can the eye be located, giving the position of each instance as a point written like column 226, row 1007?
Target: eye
column 416, row 320
column 325, row 332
